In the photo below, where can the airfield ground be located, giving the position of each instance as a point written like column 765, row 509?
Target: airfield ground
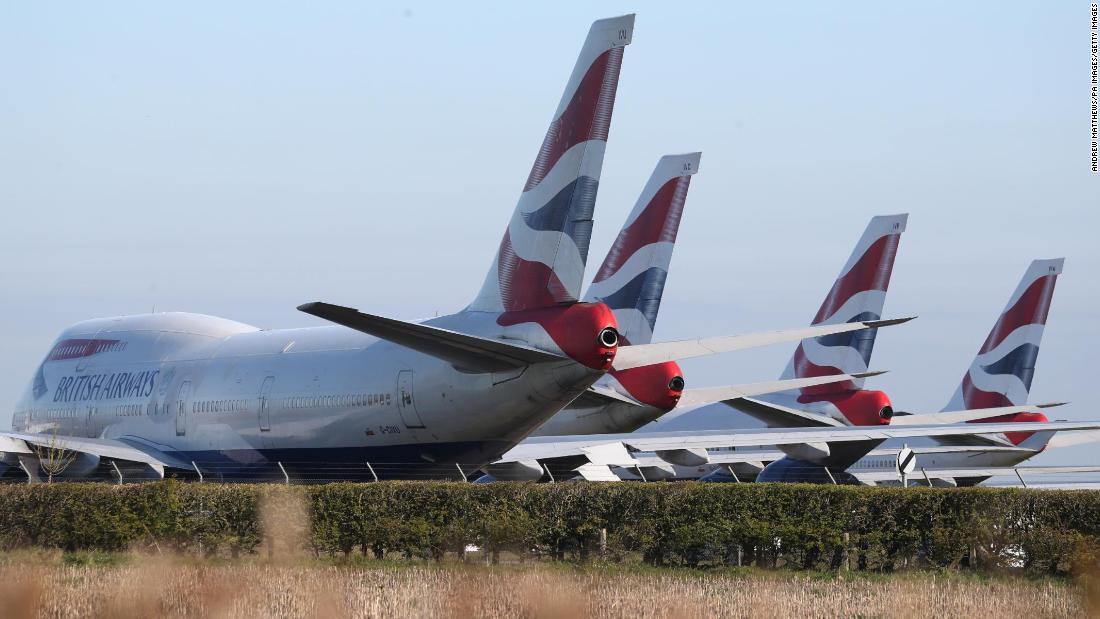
column 49, row 584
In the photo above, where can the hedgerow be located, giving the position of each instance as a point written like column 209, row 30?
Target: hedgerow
column 688, row 524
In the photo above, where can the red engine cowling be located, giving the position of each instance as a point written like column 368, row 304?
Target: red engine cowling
column 861, row 407
column 659, row 385
column 1015, row 437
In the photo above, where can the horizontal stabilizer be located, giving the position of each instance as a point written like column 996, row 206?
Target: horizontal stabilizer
column 465, row 352
column 913, row 419
column 779, row 416
column 707, row 395
column 649, row 354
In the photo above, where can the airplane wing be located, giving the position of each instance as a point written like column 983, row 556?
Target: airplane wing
column 467, row 352
column 1067, row 439
column 648, row 354
column 105, row 448
column 709, row 395
column 963, row 472
column 545, row 447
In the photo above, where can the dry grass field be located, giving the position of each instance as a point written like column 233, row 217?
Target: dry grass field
column 160, row 588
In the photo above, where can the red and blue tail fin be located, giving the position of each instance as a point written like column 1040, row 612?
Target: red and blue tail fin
column 859, row 293
column 632, row 277
column 542, row 257
column 1001, row 373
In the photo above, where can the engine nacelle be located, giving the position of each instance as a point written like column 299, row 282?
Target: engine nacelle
column 82, row 467
column 657, row 472
column 807, row 452
column 684, row 457
column 522, row 470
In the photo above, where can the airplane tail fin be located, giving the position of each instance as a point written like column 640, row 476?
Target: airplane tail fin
column 1001, row 373
column 632, row 277
column 541, row 259
column 859, row 293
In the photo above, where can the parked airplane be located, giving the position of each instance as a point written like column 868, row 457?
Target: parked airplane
column 631, row 282
column 185, row 391
column 1004, row 367
column 1000, row 376
column 681, row 452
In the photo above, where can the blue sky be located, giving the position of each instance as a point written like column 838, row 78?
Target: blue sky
column 241, row 159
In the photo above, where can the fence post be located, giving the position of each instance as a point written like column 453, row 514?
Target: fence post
column 603, row 542
column 1021, row 477
column 285, row 476
column 844, row 563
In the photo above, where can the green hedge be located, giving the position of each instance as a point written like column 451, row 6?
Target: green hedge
column 812, row 527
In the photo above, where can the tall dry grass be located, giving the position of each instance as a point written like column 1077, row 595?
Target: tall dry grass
column 155, row 587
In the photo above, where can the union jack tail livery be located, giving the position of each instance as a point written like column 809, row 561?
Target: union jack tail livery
column 542, row 256
column 632, row 277
column 1001, row 373
column 859, row 293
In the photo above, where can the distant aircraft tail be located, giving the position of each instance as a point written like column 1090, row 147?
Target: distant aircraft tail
column 1001, row 373
column 632, row 277
column 541, row 259
column 859, row 293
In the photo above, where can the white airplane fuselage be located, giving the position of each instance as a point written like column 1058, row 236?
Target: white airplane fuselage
column 227, row 395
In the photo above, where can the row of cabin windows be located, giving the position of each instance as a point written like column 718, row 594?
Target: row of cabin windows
column 220, row 406
column 339, row 401
column 79, row 349
column 120, row 410
column 51, row 413
column 128, row 410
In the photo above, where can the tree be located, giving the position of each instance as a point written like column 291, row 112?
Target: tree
column 54, row 457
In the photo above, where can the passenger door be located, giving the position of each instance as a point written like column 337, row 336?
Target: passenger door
column 265, row 404
column 182, row 396
column 405, row 402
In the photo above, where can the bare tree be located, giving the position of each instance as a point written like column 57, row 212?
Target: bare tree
column 54, row 457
